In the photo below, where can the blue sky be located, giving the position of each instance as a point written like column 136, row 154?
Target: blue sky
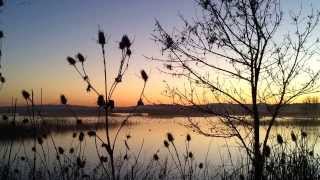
column 40, row 34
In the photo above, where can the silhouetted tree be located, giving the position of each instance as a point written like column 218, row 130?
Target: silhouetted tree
column 233, row 55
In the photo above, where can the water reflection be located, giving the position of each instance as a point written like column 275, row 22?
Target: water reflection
column 149, row 133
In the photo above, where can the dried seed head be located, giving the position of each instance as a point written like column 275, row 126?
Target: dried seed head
column 140, row 102
column 74, row 135
column 311, row 153
column 155, row 157
column 5, row 117
column 2, row 79
column 24, row 121
column 40, row 141
column 1, row 32
column 80, row 57
column 60, row 150
column 71, row 60
column 81, row 136
column 279, row 139
column 91, row 133
column 293, row 137
column 303, row 134
column 190, row 155
column 101, row 38
column 88, row 88
column 25, row 94
column 118, row 79
column 125, row 42
column 169, row 66
column 188, row 137
column 111, row 104
column 170, row 137
column 144, row 75
column 166, row 143
column 71, row 151
column 63, row 99
column 100, row 101
column 200, row 165
column 103, row 159
column 267, row 151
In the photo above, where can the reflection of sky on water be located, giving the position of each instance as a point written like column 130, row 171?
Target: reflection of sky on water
column 150, row 134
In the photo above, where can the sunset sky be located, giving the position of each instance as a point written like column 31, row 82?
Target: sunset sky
column 40, row 34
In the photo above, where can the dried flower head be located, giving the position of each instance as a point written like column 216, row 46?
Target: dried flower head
column 190, row 155
column 169, row 66
column 293, row 137
column 170, row 137
column 111, row 104
column 63, row 99
column 279, row 139
column 200, row 165
column 88, row 88
column 71, row 151
column 91, row 133
column 2, row 79
column 103, row 159
column 40, row 141
column 71, row 60
column 1, row 32
column 125, row 42
column 267, row 151
column 140, row 102
column 5, row 117
column 25, row 94
column 166, row 143
column 60, row 150
column 81, row 136
column 303, row 134
column 144, row 75
column 74, row 135
column 155, row 157
column 188, row 137
column 101, row 38
column 24, row 121
column 100, row 101
column 80, row 57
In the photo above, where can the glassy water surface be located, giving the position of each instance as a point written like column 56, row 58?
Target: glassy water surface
column 145, row 135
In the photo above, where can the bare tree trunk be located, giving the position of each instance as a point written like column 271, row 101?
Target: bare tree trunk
column 257, row 163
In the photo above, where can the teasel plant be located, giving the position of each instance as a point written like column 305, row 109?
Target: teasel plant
column 105, row 101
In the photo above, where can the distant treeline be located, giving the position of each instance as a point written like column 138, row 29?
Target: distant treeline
column 299, row 109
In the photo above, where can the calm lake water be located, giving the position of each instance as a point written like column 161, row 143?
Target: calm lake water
column 148, row 133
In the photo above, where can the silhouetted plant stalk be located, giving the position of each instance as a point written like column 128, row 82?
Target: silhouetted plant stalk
column 105, row 101
column 2, row 78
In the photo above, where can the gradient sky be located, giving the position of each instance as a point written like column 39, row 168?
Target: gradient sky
column 40, row 34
